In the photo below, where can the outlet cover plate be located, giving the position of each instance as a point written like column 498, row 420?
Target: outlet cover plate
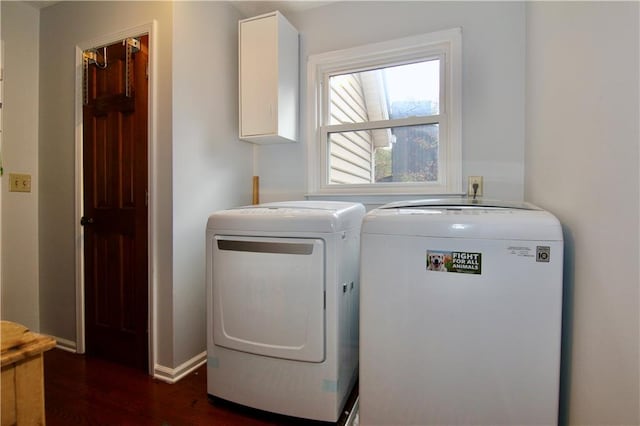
column 471, row 181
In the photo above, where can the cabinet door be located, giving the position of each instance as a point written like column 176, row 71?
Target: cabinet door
column 258, row 76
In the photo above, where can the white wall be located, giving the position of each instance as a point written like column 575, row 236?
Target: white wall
column 493, row 39
column 212, row 169
column 582, row 164
column 20, row 29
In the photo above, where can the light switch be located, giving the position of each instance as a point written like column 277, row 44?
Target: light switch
column 19, row 182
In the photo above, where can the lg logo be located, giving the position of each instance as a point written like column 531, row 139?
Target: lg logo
column 543, row 253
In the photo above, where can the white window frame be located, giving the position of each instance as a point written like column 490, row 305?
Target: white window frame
column 444, row 45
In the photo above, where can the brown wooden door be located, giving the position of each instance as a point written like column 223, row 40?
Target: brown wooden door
column 115, row 207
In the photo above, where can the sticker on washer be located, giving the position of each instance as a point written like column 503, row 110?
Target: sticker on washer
column 454, row 261
column 520, row 251
column 541, row 253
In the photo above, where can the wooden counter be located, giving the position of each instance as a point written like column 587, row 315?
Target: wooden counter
column 22, row 380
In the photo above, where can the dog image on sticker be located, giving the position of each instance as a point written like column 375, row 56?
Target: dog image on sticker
column 454, row 261
column 438, row 260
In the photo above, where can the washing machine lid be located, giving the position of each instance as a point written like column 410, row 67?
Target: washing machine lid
column 461, row 202
column 291, row 216
column 464, row 218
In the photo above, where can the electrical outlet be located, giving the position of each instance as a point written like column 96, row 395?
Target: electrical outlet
column 474, row 180
column 19, row 182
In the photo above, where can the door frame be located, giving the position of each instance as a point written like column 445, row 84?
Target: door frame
column 149, row 28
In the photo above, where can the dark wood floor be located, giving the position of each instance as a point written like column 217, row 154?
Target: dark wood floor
column 81, row 390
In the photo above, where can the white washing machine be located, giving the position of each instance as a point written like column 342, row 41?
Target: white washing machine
column 282, row 306
column 460, row 314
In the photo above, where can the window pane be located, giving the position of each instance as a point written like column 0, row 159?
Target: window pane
column 401, row 91
column 398, row 154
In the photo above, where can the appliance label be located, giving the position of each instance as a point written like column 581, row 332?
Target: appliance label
column 454, row 261
column 543, row 254
column 520, row 251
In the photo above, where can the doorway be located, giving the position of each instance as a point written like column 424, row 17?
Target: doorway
column 114, row 193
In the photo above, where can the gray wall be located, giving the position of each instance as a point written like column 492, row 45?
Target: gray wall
column 212, row 169
column 19, row 211
column 582, row 164
column 493, row 44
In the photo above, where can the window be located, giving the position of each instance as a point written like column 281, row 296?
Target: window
column 385, row 118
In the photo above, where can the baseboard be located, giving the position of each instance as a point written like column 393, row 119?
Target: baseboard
column 172, row 375
column 65, row 345
column 166, row 374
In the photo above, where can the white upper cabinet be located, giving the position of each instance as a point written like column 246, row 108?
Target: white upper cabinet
column 268, row 46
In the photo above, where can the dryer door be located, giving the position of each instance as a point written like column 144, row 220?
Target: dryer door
column 268, row 296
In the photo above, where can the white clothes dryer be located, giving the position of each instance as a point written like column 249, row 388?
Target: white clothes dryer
column 460, row 314
column 282, row 306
